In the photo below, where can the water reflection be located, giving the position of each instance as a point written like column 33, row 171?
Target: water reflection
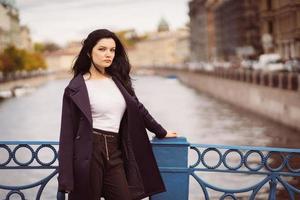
column 203, row 119
column 34, row 116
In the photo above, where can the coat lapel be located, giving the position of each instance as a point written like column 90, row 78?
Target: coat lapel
column 80, row 97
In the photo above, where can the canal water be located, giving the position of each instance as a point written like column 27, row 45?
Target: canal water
column 196, row 116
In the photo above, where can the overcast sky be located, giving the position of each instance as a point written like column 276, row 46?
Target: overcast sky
column 61, row 21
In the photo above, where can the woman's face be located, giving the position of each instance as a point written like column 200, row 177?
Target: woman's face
column 103, row 52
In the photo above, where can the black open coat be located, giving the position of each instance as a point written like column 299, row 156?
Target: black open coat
column 75, row 144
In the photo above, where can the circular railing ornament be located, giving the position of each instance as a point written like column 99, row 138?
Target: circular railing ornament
column 203, row 158
column 228, row 195
column 198, row 158
column 278, row 168
column 232, row 151
column 288, row 159
column 260, row 165
column 26, row 146
column 19, row 193
column 49, row 147
column 9, row 152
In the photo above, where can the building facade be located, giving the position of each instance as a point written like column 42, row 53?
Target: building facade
column 160, row 49
column 63, row 59
column 224, row 29
column 280, row 22
column 198, row 31
column 11, row 32
column 229, row 29
column 237, row 29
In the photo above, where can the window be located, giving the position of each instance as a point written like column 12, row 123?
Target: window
column 269, row 4
column 270, row 27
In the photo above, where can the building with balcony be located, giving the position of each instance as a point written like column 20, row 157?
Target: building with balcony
column 224, row 29
column 198, row 28
column 280, row 25
column 237, row 29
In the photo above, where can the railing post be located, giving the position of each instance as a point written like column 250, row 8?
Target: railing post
column 172, row 154
column 273, row 185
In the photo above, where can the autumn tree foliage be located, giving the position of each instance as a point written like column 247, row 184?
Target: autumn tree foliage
column 13, row 59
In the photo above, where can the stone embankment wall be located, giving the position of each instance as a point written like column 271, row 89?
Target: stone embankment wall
column 273, row 95
column 33, row 81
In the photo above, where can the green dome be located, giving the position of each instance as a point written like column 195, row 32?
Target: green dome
column 163, row 25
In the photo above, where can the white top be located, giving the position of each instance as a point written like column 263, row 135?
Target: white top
column 107, row 104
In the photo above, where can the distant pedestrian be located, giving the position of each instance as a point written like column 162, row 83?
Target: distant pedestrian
column 104, row 149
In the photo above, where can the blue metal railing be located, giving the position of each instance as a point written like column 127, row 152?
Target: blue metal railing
column 12, row 154
column 271, row 169
column 271, row 163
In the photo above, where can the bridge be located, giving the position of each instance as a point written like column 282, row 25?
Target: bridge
column 273, row 171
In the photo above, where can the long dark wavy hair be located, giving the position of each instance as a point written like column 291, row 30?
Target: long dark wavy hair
column 120, row 67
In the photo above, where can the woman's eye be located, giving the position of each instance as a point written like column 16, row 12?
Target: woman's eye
column 101, row 49
column 113, row 50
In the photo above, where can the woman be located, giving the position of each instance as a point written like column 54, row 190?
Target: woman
column 104, row 148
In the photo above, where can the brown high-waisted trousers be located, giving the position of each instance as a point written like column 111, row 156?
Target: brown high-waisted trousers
column 107, row 173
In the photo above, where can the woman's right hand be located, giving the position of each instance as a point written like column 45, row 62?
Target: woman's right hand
column 171, row 134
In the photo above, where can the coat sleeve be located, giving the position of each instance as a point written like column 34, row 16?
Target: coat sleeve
column 150, row 123
column 65, row 153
